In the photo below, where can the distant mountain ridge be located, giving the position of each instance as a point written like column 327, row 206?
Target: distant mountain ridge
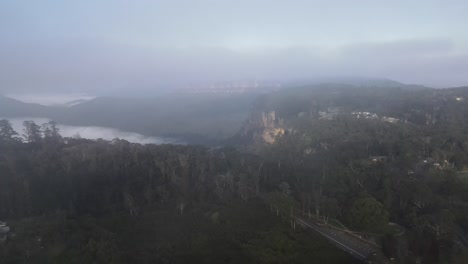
column 195, row 118
column 14, row 108
column 358, row 82
column 51, row 99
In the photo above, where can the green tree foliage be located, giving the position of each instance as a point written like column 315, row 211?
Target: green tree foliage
column 359, row 171
column 51, row 131
column 32, row 132
column 7, row 133
column 411, row 166
column 85, row 201
column 368, row 214
column 282, row 202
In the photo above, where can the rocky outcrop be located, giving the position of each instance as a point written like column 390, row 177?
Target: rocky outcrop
column 263, row 127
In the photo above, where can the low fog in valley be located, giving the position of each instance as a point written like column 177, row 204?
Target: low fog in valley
column 92, row 132
column 234, row 131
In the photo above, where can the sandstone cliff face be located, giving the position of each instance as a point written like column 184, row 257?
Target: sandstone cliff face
column 269, row 135
column 268, row 119
column 263, row 127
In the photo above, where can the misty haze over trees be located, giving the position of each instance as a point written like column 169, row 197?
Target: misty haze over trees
column 233, row 132
column 347, row 156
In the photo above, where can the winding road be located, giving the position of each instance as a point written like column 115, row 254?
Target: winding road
column 359, row 249
column 356, row 248
column 365, row 252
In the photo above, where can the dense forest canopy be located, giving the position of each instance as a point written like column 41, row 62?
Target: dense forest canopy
column 369, row 156
column 116, row 202
column 247, row 131
column 385, row 164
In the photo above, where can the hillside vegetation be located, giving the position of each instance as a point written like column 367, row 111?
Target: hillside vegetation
column 82, row 201
column 348, row 150
column 388, row 164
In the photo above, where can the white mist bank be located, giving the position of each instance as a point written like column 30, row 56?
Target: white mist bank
column 92, row 132
column 55, row 99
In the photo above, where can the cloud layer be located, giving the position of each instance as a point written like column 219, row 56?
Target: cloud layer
column 112, row 46
column 102, row 68
column 92, row 132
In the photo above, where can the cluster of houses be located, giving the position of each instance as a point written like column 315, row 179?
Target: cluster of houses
column 332, row 112
column 437, row 165
column 369, row 115
column 378, row 158
column 365, row 115
column 390, row 119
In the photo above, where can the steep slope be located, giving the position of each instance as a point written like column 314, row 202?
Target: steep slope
column 194, row 118
column 344, row 148
column 197, row 118
column 13, row 108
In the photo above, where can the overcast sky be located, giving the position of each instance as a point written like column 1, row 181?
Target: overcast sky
column 115, row 45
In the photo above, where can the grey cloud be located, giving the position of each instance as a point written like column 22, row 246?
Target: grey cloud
column 411, row 47
column 95, row 67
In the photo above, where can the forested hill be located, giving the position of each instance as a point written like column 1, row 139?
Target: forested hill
column 193, row 118
column 82, row 201
column 426, row 108
column 13, row 108
column 404, row 149
column 388, row 164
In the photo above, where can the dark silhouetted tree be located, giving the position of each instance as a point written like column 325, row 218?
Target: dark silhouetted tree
column 32, row 132
column 7, row 133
